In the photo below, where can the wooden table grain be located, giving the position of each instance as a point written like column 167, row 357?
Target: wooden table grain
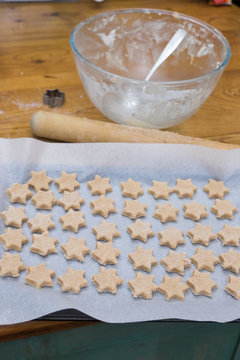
column 35, row 55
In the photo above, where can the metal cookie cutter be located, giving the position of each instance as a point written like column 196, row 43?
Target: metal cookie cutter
column 54, row 98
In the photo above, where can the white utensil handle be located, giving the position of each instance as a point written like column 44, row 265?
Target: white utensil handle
column 168, row 50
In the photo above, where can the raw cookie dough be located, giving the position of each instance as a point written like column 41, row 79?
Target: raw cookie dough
column 39, row 180
column 105, row 253
column 43, row 244
column 73, row 220
column 134, row 209
column 171, row 237
column 13, row 239
column 195, row 211
column 43, row 200
column 223, row 209
column 41, row 222
column 39, row 276
column 215, row 189
column 233, row 286
column 201, row 234
column 103, row 206
column 99, row 186
column 75, row 249
column 19, row 193
column 142, row 286
column 106, row 231
column 166, row 212
column 184, row 188
column 231, row 260
column 67, row 182
column 160, row 190
column 72, row 281
column 11, row 265
column 140, row 230
column 173, row 288
column 201, row 283
column 14, row 216
column 204, row 259
column 142, row 259
column 71, row 200
column 107, row 280
column 230, row 235
column 176, row 262
column 131, row 188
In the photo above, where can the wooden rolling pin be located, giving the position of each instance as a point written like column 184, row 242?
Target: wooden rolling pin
column 67, row 128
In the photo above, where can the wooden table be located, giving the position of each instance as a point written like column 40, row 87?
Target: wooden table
column 35, row 55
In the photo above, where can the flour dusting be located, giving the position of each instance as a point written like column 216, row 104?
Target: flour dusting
column 23, row 106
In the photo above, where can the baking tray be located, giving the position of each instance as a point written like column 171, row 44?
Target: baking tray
column 163, row 162
column 76, row 315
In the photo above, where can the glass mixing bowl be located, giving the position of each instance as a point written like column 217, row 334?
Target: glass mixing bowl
column 114, row 52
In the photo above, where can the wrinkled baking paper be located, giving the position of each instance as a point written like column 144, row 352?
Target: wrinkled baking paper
column 142, row 162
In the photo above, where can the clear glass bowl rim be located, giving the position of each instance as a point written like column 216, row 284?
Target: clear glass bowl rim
column 155, row 11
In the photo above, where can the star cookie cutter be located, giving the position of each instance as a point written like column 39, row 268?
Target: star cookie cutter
column 53, row 98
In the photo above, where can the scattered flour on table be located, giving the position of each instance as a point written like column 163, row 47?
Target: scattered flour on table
column 23, row 106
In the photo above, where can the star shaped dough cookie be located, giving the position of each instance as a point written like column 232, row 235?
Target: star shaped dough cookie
column 19, row 193
column 176, row 262
column 142, row 286
column 171, row 237
column 230, row 235
column 39, row 276
column 105, row 253
column 173, row 288
column 40, row 180
column 204, row 259
column 215, row 189
column 184, row 188
column 103, row 206
column 106, row 231
column 231, row 260
column 11, row 265
column 233, row 286
column 71, row 200
column 142, row 259
column 160, row 190
column 67, row 182
column 131, row 188
column 72, row 281
column 201, row 234
column 166, row 212
column 195, row 211
column 75, row 249
column 107, row 280
column 99, row 186
column 73, row 220
column 201, row 283
column 13, row 239
column 14, row 216
column 43, row 200
column 140, row 230
column 43, row 244
column 134, row 209
column 41, row 222
column 223, row 209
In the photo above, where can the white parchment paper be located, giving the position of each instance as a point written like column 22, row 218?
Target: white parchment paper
column 143, row 162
